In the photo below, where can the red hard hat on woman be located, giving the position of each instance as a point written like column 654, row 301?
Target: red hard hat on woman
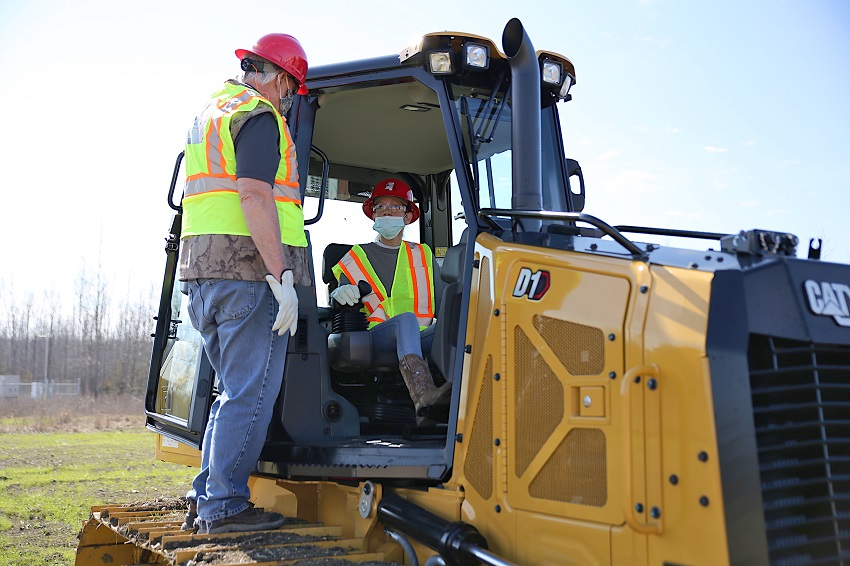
column 391, row 188
column 284, row 51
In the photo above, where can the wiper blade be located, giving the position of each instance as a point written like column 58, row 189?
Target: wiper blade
column 478, row 139
column 473, row 148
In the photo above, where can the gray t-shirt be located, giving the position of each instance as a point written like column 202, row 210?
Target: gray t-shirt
column 384, row 260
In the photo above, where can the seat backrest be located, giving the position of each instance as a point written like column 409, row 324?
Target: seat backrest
column 451, row 270
column 330, row 257
column 448, row 321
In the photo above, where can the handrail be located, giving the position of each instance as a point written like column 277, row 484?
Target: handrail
column 672, row 232
column 570, row 217
column 323, row 188
column 176, row 207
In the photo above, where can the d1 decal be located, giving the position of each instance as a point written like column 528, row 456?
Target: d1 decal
column 532, row 284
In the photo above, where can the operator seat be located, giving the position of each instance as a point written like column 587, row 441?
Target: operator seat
column 368, row 377
column 351, row 351
column 377, row 389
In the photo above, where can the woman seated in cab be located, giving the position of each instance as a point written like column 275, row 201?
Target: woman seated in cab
column 402, row 275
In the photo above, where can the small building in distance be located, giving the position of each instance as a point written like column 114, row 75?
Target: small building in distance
column 10, row 385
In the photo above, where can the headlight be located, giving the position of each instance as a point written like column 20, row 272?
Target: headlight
column 476, row 56
column 552, row 72
column 440, row 62
column 565, row 88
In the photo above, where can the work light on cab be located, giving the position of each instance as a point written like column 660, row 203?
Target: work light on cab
column 476, row 56
column 552, row 72
column 569, row 81
column 440, row 62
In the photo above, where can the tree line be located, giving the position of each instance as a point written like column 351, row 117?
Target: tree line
column 102, row 341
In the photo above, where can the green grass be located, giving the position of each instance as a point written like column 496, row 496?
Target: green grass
column 50, row 480
column 16, row 421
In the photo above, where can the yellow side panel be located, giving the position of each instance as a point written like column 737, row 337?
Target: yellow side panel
column 561, row 446
column 684, row 445
column 541, row 456
column 628, row 547
column 586, row 412
column 544, row 543
column 169, row 450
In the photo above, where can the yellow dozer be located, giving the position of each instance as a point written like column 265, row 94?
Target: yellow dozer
column 613, row 401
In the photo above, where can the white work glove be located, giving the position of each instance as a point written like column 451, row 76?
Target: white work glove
column 346, row 295
column 284, row 292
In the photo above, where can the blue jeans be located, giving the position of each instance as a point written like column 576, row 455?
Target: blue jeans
column 235, row 319
column 402, row 333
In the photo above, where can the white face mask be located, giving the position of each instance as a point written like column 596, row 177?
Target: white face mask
column 388, row 226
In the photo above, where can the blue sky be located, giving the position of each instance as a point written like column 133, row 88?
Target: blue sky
column 715, row 116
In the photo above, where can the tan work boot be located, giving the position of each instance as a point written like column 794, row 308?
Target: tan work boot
column 420, row 384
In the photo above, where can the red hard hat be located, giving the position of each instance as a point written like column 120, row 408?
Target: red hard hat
column 391, row 188
column 284, row 51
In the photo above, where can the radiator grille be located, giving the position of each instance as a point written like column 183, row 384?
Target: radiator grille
column 478, row 467
column 580, row 348
column 576, row 472
column 539, row 400
column 801, row 409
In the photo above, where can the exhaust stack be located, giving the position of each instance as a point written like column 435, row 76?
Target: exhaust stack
column 525, row 123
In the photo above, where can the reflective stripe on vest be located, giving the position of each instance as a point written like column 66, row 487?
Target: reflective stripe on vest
column 211, row 203
column 413, row 284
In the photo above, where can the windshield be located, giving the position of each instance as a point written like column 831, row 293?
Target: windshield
column 486, row 126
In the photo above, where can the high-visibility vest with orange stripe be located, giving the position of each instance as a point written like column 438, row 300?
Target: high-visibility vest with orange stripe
column 413, row 283
column 210, row 199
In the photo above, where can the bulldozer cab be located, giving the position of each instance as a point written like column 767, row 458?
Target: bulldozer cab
column 440, row 116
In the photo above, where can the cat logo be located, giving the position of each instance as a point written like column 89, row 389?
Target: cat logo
column 532, row 284
column 829, row 299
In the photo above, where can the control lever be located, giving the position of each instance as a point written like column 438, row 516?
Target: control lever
column 365, row 289
column 350, row 318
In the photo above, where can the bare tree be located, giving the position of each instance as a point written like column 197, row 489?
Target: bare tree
column 106, row 348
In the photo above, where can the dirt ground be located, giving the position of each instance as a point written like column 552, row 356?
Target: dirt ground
column 44, row 514
column 71, row 414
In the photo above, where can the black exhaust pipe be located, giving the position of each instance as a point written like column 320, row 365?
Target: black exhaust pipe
column 459, row 543
column 525, row 121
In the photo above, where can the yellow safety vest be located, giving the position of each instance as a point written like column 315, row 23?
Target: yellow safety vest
column 413, row 283
column 210, row 198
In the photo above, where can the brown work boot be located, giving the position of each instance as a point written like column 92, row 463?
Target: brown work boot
column 191, row 515
column 426, row 396
column 250, row 519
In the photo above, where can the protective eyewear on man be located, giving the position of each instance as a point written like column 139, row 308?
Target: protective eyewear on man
column 389, row 207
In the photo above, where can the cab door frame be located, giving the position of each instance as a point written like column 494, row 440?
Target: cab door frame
column 189, row 430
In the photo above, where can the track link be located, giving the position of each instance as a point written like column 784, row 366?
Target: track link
column 149, row 533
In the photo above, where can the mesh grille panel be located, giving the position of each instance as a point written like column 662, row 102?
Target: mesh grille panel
column 478, row 467
column 801, row 409
column 580, row 348
column 539, row 401
column 485, row 304
column 577, row 471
